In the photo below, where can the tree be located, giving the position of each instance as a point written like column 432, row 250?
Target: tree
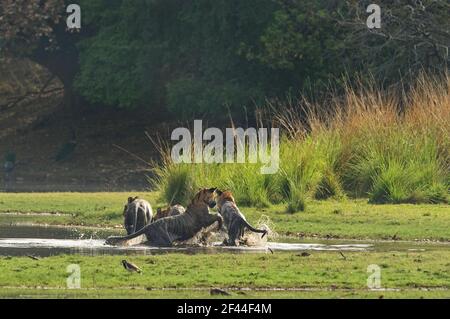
column 303, row 42
column 183, row 54
column 414, row 36
column 37, row 30
column 203, row 57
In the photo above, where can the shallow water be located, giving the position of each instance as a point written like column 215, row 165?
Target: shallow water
column 33, row 240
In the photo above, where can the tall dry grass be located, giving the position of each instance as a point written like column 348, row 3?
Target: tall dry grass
column 384, row 144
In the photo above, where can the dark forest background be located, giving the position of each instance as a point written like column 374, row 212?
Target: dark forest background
column 192, row 58
column 137, row 63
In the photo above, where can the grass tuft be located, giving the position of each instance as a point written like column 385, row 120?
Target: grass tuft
column 390, row 146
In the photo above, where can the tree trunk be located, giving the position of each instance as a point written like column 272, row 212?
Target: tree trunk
column 63, row 63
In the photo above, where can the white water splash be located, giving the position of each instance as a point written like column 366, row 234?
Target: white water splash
column 96, row 244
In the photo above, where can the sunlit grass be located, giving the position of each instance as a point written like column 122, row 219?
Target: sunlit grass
column 322, row 271
column 371, row 142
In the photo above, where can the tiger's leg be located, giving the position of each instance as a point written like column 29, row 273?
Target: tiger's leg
column 240, row 236
column 140, row 220
column 211, row 219
column 160, row 237
column 233, row 234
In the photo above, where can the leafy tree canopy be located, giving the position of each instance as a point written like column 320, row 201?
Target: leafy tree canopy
column 200, row 57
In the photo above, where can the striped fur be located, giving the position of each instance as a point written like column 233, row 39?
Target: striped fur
column 164, row 232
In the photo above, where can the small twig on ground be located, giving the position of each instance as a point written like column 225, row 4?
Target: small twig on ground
column 218, row 291
column 33, row 257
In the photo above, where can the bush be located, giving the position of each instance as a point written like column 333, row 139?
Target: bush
column 365, row 146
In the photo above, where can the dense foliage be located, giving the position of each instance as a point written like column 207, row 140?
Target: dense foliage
column 181, row 53
column 200, row 57
column 364, row 148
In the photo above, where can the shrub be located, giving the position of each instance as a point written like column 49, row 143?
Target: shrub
column 364, row 145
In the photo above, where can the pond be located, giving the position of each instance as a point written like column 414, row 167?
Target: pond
column 43, row 241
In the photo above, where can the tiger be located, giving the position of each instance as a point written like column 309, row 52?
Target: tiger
column 165, row 231
column 137, row 213
column 169, row 211
column 233, row 219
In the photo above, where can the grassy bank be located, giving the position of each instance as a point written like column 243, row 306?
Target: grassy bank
column 85, row 209
column 328, row 273
column 325, row 218
column 404, row 274
column 384, row 145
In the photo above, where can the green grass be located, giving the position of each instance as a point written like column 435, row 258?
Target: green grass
column 325, row 272
column 329, row 218
column 360, row 220
column 89, row 209
column 365, row 148
column 358, row 144
column 28, row 293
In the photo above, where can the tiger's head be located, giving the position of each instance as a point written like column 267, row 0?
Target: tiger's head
column 222, row 197
column 205, row 196
column 128, row 218
column 129, row 201
column 161, row 213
